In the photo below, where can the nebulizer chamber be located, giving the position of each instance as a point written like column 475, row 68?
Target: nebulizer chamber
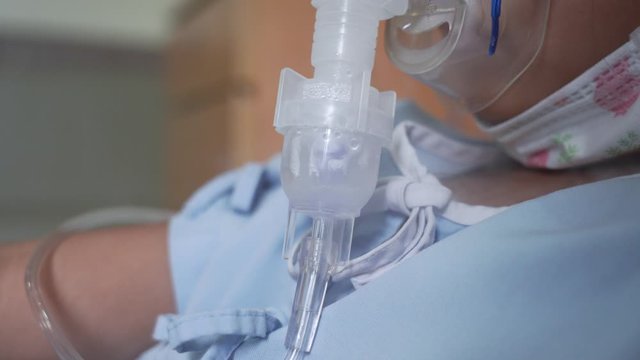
column 444, row 43
column 334, row 125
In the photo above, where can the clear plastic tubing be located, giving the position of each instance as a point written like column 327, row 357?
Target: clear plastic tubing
column 51, row 326
column 57, row 338
column 335, row 125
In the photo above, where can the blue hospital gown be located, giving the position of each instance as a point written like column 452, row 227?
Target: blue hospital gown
column 557, row 277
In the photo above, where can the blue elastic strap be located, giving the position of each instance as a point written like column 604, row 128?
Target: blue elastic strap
column 496, row 5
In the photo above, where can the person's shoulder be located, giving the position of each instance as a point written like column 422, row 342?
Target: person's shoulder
column 240, row 190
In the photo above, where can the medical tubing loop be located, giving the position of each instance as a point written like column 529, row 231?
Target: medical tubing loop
column 55, row 335
column 32, row 279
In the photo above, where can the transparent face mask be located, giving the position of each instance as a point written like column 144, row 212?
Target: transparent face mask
column 453, row 46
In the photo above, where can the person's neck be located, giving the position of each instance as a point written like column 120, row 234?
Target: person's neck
column 511, row 183
column 579, row 35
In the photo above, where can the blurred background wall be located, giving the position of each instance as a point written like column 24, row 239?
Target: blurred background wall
column 119, row 102
column 82, row 109
column 137, row 24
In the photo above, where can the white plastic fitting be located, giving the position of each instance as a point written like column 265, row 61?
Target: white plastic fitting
column 336, row 123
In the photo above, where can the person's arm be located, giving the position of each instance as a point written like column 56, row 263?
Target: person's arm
column 106, row 286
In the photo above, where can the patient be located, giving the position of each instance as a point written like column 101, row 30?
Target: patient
column 110, row 286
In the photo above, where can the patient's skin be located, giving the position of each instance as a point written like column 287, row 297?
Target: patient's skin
column 104, row 287
column 580, row 33
column 510, row 183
